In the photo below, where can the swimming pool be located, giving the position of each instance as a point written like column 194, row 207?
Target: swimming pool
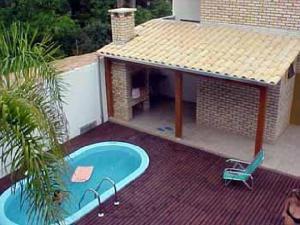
column 122, row 162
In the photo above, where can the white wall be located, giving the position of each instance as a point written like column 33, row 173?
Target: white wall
column 103, row 89
column 83, row 98
column 83, row 101
column 186, row 10
column 167, row 87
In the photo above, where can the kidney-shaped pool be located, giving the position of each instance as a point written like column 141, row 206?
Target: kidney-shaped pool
column 119, row 161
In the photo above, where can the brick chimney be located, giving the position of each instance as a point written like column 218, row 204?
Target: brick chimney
column 122, row 22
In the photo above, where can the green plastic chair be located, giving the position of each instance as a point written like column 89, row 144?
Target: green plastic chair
column 241, row 172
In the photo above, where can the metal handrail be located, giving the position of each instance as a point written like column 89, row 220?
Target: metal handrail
column 116, row 200
column 96, row 195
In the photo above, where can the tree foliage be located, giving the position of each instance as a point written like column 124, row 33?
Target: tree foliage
column 32, row 123
column 157, row 9
column 78, row 26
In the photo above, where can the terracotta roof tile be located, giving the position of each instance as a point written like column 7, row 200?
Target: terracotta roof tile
column 74, row 62
column 229, row 51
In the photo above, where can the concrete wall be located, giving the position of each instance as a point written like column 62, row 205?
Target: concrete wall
column 283, row 14
column 83, row 101
column 186, row 10
column 83, row 98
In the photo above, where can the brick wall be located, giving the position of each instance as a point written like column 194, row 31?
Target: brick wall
column 121, row 84
column 233, row 107
column 283, row 14
column 123, row 102
column 122, row 25
column 122, row 28
column 285, row 104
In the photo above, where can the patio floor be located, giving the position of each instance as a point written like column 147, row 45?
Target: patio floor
column 283, row 156
column 183, row 186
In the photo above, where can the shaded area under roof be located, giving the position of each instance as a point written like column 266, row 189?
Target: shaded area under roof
column 228, row 52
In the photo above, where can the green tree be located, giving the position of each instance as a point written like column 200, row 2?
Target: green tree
column 94, row 21
column 48, row 16
column 161, row 8
column 142, row 15
column 32, row 123
column 154, row 9
column 78, row 26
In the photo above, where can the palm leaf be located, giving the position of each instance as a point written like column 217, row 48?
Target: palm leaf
column 32, row 122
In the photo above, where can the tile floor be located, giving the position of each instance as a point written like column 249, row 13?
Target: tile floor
column 283, row 156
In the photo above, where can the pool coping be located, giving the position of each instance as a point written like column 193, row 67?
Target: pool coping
column 93, row 204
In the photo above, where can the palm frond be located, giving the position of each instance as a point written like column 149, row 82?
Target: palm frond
column 32, row 123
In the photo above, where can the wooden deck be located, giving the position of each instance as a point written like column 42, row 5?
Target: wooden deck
column 183, row 186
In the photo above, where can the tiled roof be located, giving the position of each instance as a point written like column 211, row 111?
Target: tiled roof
column 74, row 62
column 226, row 51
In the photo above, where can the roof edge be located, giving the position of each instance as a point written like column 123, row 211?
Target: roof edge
column 194, row 71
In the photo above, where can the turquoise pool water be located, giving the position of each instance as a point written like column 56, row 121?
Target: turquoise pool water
column 119, row 161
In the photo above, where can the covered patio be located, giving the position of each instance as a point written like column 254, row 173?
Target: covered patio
column 246, row 58
column 282, row 156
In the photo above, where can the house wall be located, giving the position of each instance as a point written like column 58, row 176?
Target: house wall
column 167, row 87
column 103, row 89
column 84, row 98
column 233, row 107
column 83, row 101
column 186, row 10
column 283, row 14
column 285, row 104
column 220, row 104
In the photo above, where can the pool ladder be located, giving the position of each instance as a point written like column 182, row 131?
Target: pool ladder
column 97, row 195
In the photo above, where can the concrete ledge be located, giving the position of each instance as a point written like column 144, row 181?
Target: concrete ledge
column 122, row 10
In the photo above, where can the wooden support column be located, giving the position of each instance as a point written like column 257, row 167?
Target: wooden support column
column 261, row 119
column 109, row 91
column 178, row 104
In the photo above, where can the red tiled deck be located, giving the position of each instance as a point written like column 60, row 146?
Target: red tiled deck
column 183, row 186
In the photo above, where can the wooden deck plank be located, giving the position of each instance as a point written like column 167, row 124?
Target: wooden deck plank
column 183, row 185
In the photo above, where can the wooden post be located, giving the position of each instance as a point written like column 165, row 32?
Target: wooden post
column 109, row 92
column 178, row 104
column 261, row 119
